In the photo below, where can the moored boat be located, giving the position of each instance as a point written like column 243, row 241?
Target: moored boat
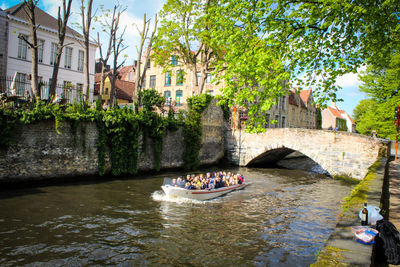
column 202, row 194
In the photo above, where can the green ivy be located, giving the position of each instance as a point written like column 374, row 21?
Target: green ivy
column 119, row 129
column 192, row 131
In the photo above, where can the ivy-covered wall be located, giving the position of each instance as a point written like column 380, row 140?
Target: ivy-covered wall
column 39, row 152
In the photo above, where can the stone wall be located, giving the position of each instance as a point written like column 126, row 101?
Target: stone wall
column 339, row 153
column 39, row 152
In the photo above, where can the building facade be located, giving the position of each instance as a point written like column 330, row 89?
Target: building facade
column 19, row 55
column 335, row 119
column 177, row 83
column 3, row 42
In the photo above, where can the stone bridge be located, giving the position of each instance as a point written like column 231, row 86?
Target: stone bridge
column 339, row 153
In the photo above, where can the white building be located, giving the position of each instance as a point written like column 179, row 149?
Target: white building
column 19, row 54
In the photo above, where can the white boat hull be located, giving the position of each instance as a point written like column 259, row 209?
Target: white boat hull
column 173, row 191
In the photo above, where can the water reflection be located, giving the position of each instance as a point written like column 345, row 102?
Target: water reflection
column 281, row 219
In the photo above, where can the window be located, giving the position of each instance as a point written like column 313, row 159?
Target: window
column 68, row 57
column 22, row 46
column 174, row 60
column 277, row 121
column 80, row 60
column 167, row 95
column 283, row 122
column 208, row 78
column 131, row 76
column 179, row 77
column 106, row 92
column 267, row 121
column 53, row 54
column 167, row 81
column 179, row 97
column 148, row 63
column 152, row 81
column 283, row 102
column 40, row 50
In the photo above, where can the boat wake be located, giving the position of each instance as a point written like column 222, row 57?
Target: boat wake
column 161, row 197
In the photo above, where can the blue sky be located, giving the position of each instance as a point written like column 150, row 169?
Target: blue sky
column 134, row 16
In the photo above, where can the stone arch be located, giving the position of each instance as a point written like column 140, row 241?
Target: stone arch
column 338, row 153
column 272, row 156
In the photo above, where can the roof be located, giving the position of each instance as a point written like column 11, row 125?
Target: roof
column 123, row 72
column 335, row 112
column 42, row 18
column 124, row 89
column 305, row 95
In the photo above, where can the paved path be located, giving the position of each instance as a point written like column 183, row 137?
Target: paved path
column 394, row 188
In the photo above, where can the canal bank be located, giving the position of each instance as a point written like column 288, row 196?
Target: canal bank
column 341, row 248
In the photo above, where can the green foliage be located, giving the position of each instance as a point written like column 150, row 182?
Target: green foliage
column 151, row 99
column 119, row 129
column 377, row 112
column 192, row 131
column 319, row 118
column 123, row 132
column 260, row 46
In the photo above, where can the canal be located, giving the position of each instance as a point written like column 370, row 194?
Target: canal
column 281, row 219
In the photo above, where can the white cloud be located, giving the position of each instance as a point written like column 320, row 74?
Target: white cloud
column 350, row 79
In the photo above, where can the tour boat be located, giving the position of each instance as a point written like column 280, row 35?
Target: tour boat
column 203, row 194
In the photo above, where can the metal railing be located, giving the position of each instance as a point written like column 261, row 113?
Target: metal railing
column 17, row 87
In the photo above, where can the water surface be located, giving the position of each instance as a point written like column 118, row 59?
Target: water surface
column 282, row 218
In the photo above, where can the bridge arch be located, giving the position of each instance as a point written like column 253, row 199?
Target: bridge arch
column 339, row 153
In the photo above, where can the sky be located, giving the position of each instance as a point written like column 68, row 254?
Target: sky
column 133, row 18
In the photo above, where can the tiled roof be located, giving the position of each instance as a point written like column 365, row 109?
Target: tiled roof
column 123, row 72
column 42, row 18
column 305, row 95
column 335, row 112
column 124, row 89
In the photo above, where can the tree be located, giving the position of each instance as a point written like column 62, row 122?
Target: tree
column 62, row 28
column 140, row 75
column 29, row 8
column 86, row 22
column 382, row 86
column 117, row 48
column 309, row 42
column 110, row 29
column 183, row 33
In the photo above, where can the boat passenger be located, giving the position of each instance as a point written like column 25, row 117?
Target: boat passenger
column 219, row 183
column 240, row 178
column 189, row 186
column 211, row 183
column 173, row 183
column 225, row 181
column 179, row 182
